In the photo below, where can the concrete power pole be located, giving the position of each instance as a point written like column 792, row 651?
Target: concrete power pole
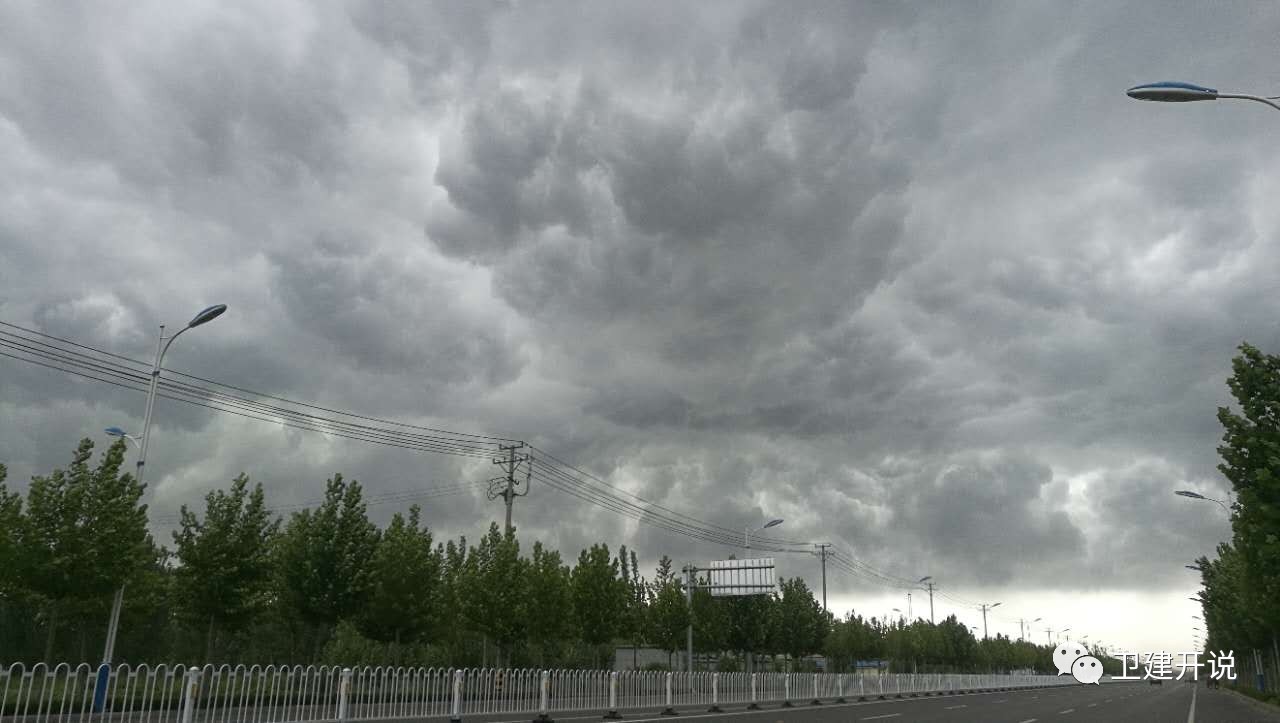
column 822, row 555
column 506, row 486
column 930, row 584
column 689, row 570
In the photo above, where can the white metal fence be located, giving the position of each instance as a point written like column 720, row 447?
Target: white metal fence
column 285, row 694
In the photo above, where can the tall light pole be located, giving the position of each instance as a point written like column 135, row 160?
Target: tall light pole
column 1177, row 92
column 746, row 532
column 1024, row 626
column 1198, row 496
column 926, row 580
column 1065, row 630
column 143, row 441
column 985, row 608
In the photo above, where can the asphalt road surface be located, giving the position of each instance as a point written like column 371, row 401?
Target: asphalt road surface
column 1173, row 702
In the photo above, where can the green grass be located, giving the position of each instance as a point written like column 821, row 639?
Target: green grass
column 1253, row 692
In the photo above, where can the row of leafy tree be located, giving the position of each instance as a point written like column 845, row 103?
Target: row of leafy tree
column 240, row 584
column 1241, row 596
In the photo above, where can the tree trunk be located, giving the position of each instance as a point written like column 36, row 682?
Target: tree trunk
column 318, row 631
column 53, row 630
column 208, row 643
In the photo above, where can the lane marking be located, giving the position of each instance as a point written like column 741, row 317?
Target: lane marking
column 1108, row 700
column 1064, row 712
column 1191, row 714
column 953, row 707
column 1029, row 720
column 1091, row 705
column 1006, row 700
column 887, row 715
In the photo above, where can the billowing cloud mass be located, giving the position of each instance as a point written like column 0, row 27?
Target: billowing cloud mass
column 920, row 280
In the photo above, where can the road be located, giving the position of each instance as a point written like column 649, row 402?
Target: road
column 1107, row 703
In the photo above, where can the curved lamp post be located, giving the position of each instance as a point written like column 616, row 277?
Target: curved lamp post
column 1198, row 496
column 1176, row 92
column 746, row 532
column 142, row 442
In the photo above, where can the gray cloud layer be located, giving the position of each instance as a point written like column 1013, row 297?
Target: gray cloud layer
column 920, row 280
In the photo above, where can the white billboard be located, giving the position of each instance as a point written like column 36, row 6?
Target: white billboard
column 731, row 578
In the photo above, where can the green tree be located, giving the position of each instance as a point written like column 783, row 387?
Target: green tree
column 85, row 534
column 1251, row 461
column 669, row 617
column 549, row 602
column 404, row 576
column 10, row 549
column 748, row 623
column 801, row 619
column 450, row 600
column 323, row 561
column 710, row 621
column 635, row 617
column 598, row 597
column 494, row 589
column 224, row 576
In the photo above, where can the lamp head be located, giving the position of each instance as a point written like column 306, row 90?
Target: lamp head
column 207, row 315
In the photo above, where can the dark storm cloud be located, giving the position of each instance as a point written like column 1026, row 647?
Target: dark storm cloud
column 972, row 513
column 920, row 280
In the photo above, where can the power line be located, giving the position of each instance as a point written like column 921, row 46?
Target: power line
column 143, row 368
column 371, row 501
column 108, row 368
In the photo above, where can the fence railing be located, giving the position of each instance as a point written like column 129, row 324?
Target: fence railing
column 297, row 694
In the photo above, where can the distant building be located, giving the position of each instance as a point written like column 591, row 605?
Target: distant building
column 628, row 658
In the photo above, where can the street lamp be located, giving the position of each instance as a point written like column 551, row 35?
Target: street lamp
column 205, row 316
column 746, row 533
column 1065, row 630
column 1198, row 496
column 118, row 432
column 1175, row 92
column 1024, row 626
column 925, row 581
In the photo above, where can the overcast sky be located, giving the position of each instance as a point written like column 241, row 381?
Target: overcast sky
column 917, row 278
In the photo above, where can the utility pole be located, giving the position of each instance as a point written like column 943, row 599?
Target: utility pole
column 927, row 580
column 985, row 607
column 506, row 486
column 689, row 570
column 1048, row 635
column 910, row 615
column 822, row 555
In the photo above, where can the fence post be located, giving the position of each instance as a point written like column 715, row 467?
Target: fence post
column 613, row 697
column 669, row 710
column 456, row 715
column 544, row 695
column 344, row 693
column 786, row 690
column 840, row 688
column 862, row 688
column 815, row 700
column 715, row 694
column 191, row 694
column 755, row 701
